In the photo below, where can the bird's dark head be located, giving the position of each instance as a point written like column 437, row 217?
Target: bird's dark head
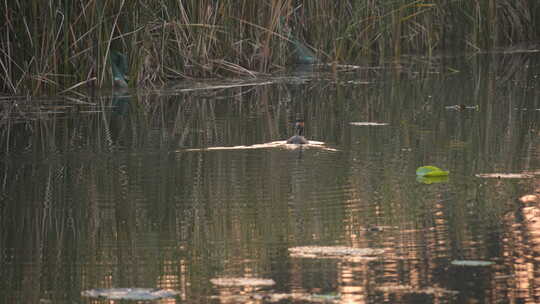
column 299, row 126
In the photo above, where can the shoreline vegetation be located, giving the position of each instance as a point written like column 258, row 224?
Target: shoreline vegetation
column 53, row 47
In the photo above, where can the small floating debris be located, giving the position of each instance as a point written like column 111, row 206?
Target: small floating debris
column 526, row 109
column 277, row 297
column 409, row 289
column 461, row 107
column 334, row 252
column 274, row 144
column 132, row 294
column 471, row 263
column 457, row 144
column 358, row 82
column 377, row 228
column 505, row 175
column 90, row 112
column 368, row 123
column 241, row 282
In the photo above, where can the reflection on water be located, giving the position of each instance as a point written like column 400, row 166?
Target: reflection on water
column 174, row 189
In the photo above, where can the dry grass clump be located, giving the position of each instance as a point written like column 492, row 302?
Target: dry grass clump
column 52, row 46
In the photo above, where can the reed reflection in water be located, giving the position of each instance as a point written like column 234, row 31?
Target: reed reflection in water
column 126, row 193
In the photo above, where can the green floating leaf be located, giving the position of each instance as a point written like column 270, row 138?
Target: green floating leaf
column 430, row 171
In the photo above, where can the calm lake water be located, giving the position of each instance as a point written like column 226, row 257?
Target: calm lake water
column 124, row 192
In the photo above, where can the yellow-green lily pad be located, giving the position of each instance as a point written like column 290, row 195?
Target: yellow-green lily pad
column 431, row 171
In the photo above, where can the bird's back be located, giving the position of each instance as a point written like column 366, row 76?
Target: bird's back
column 297, row 140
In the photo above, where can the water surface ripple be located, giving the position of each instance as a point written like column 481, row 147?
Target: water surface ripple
column 179, row 188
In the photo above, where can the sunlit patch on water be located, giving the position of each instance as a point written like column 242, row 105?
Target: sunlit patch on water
column 131, row 294
column 403, row 289
column 239, row 282
column 530, row 198
column 274, row 144
column 263, row 295
column 277, row 297
column 334, row 252
column 367, row 123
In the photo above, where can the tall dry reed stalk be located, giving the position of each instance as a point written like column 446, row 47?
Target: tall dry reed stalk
column 56, row 46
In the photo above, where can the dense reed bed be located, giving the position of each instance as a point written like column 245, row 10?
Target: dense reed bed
column 56, row 46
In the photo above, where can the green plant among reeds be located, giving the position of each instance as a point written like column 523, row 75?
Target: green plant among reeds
column 51, row 46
